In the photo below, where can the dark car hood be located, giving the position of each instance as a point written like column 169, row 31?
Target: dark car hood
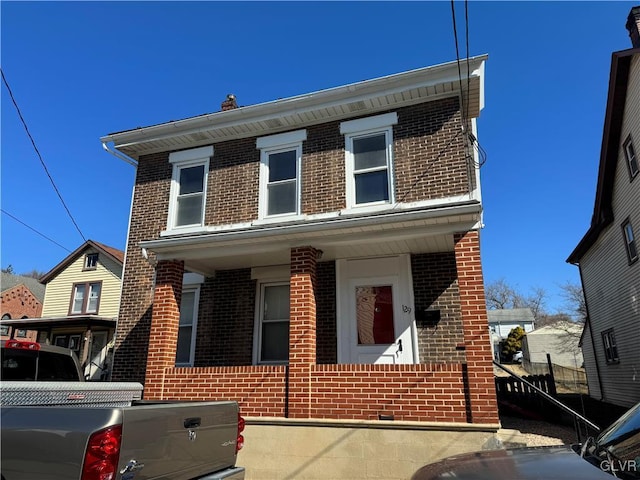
column 539, row 463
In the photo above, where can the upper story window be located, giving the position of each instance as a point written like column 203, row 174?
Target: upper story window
column 630, row 241
column 91, row 261
column 85, row 298
column 369, row 159
column 610, row 346
column 632, row 159
column 189, row 187
column 280, row 173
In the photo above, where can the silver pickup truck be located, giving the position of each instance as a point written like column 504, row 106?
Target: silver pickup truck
column 55, row 428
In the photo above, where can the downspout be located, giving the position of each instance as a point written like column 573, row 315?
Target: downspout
column 593, row 344
column 120, row 155
column 112, row 341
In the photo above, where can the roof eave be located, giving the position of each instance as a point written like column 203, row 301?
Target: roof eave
column 130, row 141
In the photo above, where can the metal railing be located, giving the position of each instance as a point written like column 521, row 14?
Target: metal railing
column 581, row 424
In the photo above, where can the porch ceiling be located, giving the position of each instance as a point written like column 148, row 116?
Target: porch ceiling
column 353, row 238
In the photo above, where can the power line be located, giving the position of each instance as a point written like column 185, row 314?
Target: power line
column 24, row 124
column 31, row 228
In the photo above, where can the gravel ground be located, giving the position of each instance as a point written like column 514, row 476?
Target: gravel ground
column 539, row 433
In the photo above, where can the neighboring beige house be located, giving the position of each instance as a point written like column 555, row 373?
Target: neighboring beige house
column 560, row 341
column 608, row 254
column 81, row 303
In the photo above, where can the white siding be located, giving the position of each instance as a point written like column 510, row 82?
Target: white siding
column 59, row 290
column 611, row 285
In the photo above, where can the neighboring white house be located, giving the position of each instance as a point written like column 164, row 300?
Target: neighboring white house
column 502, row 321
column 560, row 341
column 608, row 255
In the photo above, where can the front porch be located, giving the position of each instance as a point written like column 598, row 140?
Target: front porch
column 447, row 378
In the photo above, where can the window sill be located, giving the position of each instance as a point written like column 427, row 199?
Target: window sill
column 183, row 230
column 369, row 208
column 280, row 219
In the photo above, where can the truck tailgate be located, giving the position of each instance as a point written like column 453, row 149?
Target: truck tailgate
column 178, row 441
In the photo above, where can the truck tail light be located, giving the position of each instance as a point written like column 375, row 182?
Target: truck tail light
column 22, row 345
column 102, row 455
column 240, row 439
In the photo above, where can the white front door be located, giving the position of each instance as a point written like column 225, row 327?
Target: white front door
column 375, row 314
column 97, row 354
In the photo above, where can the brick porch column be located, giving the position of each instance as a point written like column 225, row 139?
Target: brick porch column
column 302, row 330
column 481, row 383
column 165, row 319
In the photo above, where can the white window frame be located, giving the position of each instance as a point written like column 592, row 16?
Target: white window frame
column 283, row 142
column 191, row 282
column 630, row 241
column 366, row 127
column 266, row 281
column 84, row 307
column 187, row 159
column 633, row 162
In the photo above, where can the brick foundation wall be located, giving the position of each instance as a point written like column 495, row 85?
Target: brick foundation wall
column 259, row 390
column 435, row 287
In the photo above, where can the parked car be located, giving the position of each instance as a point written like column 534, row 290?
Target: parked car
column 517, row 357
column 615, row 453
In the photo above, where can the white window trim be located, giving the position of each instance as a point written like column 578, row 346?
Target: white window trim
column 191, row 282
column 627, row 153
column 282, row 142
column 185, row 159
column 257, row 337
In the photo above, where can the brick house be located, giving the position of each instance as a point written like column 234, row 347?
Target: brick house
column 314, row 257
column 22, row 298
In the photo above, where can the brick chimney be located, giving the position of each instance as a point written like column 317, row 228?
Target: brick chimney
column 633, row 25
column 229, row 103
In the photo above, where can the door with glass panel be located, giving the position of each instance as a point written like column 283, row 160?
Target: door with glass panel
column 379, row 330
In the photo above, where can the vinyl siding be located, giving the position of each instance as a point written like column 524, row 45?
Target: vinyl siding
column 59, row 290
column 590, row 366
column 611, row 285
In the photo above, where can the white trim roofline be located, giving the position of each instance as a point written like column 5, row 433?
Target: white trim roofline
column 387, row 85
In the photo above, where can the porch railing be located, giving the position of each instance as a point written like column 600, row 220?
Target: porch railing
column 583, row 427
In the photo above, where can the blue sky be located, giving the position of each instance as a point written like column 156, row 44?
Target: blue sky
column 80, row 70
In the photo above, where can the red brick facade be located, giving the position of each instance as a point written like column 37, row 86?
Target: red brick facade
column 19, row 302
column 453, row 382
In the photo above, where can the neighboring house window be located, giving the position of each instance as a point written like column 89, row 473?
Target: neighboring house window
column 188, row 187
column 189, row 306
column 630, row 241
column 632, row 159
column 280, row 173
column 21, row 333
column 4, row 329
column 86, row 298
column 369, row 159
column 273, row 323
column 6, row 316
column 610, row 346
column 91, row 261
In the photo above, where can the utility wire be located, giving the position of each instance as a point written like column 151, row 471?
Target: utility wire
column 455, row 36
column 33, row 229
column 38, row 153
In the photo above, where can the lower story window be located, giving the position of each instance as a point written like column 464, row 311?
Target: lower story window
column 610, row 346
column 273, row 323
column 187, row 328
